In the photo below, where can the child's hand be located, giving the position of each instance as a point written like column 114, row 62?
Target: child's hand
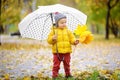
column 54, row 38
column 76, row 42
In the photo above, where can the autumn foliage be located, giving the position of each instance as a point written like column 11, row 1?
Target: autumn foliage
column 83, row 34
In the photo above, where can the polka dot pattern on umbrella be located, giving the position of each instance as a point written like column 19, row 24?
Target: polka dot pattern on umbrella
column 37, row 24
column 40, row 27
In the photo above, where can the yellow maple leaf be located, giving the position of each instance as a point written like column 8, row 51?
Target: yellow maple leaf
column 86, row 37
column 80, row 29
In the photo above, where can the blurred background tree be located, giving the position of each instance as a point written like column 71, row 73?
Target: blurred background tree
column 10, row 13
column 103, row 15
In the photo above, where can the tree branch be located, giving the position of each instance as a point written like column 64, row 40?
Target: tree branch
column 114, row 4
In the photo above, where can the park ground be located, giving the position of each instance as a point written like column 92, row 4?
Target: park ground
column 27, row 59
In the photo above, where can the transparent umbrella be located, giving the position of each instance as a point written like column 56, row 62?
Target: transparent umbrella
column 38, row 24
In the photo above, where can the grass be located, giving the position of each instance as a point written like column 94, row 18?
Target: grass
column 94, row 75
column 98, row 37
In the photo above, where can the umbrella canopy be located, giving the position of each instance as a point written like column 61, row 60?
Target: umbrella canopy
column 37, row 24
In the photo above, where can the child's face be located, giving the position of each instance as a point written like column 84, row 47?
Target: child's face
column 62, row 23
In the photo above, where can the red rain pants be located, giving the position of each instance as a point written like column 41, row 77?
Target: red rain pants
column 56, row 64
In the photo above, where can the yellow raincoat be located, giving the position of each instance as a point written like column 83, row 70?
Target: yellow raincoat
column 64, row 40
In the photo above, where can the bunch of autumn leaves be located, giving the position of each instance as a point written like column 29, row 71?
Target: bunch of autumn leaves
column 84, row 36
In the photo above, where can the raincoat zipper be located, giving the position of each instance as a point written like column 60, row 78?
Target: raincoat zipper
column 58, row 51
column 63, row 38
column 63, row 44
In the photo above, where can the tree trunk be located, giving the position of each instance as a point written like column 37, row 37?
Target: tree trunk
column 107, row 19
column 0, row 40
column 114, row 27
column 1, row 31
column 109, row 7
column 107, row 24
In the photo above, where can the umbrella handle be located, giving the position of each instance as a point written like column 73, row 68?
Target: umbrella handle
column 53, row 24
column 51, row 18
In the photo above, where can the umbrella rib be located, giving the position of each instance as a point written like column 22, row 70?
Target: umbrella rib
column 75, row 17
column 35, row 19
column 44, row 25
column 30, row 24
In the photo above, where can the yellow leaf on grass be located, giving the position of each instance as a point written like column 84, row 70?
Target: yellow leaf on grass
column 116, row 74
column 26, row 78
column 7, row 77
column 104, row 71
